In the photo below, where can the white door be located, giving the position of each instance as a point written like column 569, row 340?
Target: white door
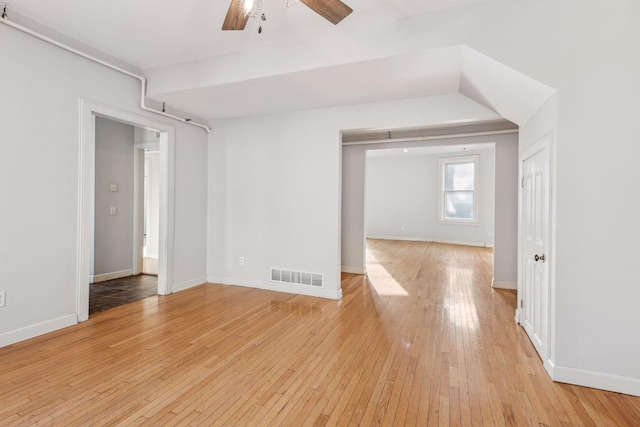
column 534, row 298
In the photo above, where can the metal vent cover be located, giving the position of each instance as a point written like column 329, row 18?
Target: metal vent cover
column 297, row 277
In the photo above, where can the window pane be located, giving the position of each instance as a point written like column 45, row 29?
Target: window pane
column 459, row 205
column 459, row 176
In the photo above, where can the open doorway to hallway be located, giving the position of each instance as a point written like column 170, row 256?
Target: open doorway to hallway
column 125, row 242
column 90, row 113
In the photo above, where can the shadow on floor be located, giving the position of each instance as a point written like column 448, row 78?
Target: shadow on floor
column 117, row 292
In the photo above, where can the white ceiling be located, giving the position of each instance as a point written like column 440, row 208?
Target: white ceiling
column 432, row 72
column 300, row 61
column 155, row 33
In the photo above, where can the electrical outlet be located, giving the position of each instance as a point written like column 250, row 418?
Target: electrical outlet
column 113, row 211
column 241, row 260
column 3, row 299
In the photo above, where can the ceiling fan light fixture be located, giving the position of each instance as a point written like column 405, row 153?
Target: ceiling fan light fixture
column 240, row 11
column 251, row 8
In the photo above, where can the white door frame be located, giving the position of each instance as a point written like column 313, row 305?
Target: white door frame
column 544, row 142
column 138, row 200
column 86, row 195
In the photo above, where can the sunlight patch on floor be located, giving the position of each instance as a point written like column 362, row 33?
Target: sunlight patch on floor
column 462, row 307
column 383, row 282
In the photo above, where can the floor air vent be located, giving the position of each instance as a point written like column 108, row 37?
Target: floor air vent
column 297, row 277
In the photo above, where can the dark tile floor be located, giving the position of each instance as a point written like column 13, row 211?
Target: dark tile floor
column 117, row 292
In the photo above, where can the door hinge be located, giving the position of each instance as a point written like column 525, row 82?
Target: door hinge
column 522, row 182
column 521, row 304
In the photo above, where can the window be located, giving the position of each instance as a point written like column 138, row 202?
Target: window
column 458, row 195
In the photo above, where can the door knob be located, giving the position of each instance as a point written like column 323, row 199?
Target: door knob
column 539, row 258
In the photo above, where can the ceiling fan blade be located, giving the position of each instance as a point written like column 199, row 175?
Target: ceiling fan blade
column 333, row 11
column 235, row 19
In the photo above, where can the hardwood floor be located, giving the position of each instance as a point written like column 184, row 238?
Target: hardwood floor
column 427, row 342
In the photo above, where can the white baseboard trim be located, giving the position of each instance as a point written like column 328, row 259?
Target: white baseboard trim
column 504, row 284
column 603, row 381
column 433, row 240
column 177, row 287
column 353, row 270
column 38, row 329
column 110, row 276
column 461, row 242
column 549, row 367
column 311, row 291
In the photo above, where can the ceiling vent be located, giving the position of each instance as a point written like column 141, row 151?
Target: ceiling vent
column 297, row 277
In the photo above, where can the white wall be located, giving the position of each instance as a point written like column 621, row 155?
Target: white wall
column 402, row 192
column 113, row 234
column 39, row 121
column 190, row 239
column 274, row 195
column 505, row 252
column 142, row 135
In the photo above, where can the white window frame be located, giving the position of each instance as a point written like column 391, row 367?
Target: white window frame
column 442, row 168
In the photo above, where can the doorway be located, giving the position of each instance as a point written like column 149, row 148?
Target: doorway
column 146, row 209
column 90, row 111
column 126, row 171
column 505, row 211
column 151, row 214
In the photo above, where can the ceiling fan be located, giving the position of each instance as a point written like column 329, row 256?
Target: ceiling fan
column 241, row 10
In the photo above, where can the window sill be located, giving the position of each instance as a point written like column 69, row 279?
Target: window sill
column 450, row 222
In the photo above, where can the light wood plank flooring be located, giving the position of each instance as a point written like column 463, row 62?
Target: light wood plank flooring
column 426, row 342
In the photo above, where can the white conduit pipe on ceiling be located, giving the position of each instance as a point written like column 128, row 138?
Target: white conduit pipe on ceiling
column 143, row 81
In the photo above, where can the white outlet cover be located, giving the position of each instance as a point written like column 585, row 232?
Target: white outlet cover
column 113, row 188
